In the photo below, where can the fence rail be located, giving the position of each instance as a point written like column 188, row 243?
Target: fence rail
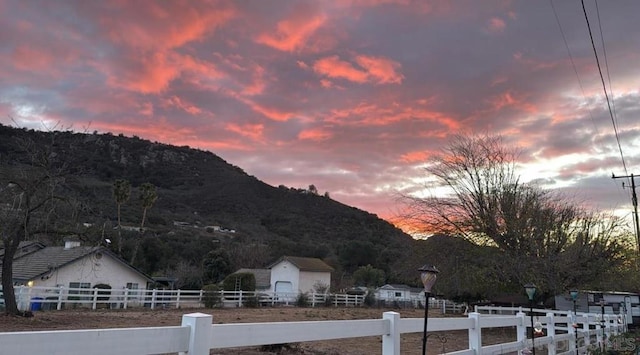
column 197, row 335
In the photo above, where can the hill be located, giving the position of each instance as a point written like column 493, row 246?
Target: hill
column 205, row 204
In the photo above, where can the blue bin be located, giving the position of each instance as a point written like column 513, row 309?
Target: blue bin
column 36, row 304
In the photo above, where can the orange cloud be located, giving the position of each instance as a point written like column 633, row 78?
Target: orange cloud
column 333, row 67
column 381, row 69
column 293, row 33
column 509, row 99
column 373, row 69
column 413, row 157
column 252, row 131
column 314, row 135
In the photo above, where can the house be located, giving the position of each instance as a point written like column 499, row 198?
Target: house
column 393, row 292
column 292, row 274
column 75, row 266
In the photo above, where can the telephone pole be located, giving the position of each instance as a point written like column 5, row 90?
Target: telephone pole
column 634, row 201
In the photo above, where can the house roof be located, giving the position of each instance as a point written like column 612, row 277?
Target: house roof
column 263, row 277
column 25, row 247
column 395, row 287
column 39, row 263
column 304, row 264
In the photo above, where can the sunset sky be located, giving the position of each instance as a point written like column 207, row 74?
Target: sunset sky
column 351, row 96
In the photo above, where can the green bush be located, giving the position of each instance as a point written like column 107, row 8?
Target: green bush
column 251, row 302
column 211, row 296
column 369, row 299
column 302, row 300
column 247, row 282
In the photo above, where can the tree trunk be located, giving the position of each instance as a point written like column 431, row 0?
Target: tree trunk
column 8, row 293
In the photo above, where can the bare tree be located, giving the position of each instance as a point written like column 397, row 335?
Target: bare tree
column 28, row 194
column 543, row 236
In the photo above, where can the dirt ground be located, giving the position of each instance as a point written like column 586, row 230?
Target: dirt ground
column 411, row 343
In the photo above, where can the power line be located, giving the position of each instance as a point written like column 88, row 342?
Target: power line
column 595, row 52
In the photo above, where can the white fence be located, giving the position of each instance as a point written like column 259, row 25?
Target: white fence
column 197, row 335
column 56, row 298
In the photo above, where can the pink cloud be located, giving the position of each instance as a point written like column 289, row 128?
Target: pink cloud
column 293, row 33
column 381, row 70
column 175, row 101
column 333, row 67
column 496, row 25
column 315, row 135
column 253, row 131
column 414, row 157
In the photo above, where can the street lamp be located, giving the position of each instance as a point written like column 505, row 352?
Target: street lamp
column 530, row 289
column 602, row 322
column 574, row 297
column 428, row 275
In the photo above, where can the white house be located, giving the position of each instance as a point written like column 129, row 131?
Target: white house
column 393, row 292
column 291, row 274
column 75, row 266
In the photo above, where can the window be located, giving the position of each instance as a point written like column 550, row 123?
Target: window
column 132, row 287
column 78, row 288
column 398, row 294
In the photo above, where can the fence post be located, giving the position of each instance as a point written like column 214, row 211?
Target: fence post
column 126, row 298
column 60, row 297
column 391, row 341
column 521, row 330
column 475, row 334
column 200, row 330
column 178, row 299
column 551, row 332
column 573, row 331
column 154, row 294
column 95, row 299
column 586, row 337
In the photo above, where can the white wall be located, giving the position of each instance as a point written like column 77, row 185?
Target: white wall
column 285, row 271
column 94, row 270
column 308, row 279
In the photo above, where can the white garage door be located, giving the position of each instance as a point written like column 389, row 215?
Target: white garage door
column 284, row 287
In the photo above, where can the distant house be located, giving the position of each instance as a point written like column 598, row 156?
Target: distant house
column 75, row 266
column 393, row 292
column 291, row 274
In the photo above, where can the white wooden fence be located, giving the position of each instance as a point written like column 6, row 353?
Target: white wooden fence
column 56, row 298
column 197, row 335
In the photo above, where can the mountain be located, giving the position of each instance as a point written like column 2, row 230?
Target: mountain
column 205, row 204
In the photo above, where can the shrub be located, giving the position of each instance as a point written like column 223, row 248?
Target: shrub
column 302, row 300
column 251, row 302
column 211, row 296
column 247, row 282
column 369, row 299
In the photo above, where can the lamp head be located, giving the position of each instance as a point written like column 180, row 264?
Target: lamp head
column 530, row 289
column 574, row 294
column 428, row 275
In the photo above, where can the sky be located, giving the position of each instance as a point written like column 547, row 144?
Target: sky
column 352, row 96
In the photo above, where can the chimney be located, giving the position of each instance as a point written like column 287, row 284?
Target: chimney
column 70, row 244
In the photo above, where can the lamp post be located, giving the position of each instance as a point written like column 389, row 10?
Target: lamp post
column 574, row 297
column 428, row 275
column 602, row 322
column 530, row 289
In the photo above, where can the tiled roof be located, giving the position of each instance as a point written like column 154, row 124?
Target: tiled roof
column 43, row 261
column 305, row 264
column 24, row 247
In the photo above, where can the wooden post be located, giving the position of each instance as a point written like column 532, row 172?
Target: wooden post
column 178, row 299
column 94, row 301
column 153, row 298
column 391, row 341
column 585, row 327
column 200, row 324
column 573, row 332
column 475, row 333
column 126, row 298
column 60, row 297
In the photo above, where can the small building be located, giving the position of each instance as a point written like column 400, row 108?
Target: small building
column 262, row 276
column 75, row 267
column 626, row 304
column 292, row 274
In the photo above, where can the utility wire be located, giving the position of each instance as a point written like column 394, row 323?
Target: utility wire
column 606, row 63
column 595, row 52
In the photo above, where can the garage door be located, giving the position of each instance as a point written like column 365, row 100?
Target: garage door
column 284, row 287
